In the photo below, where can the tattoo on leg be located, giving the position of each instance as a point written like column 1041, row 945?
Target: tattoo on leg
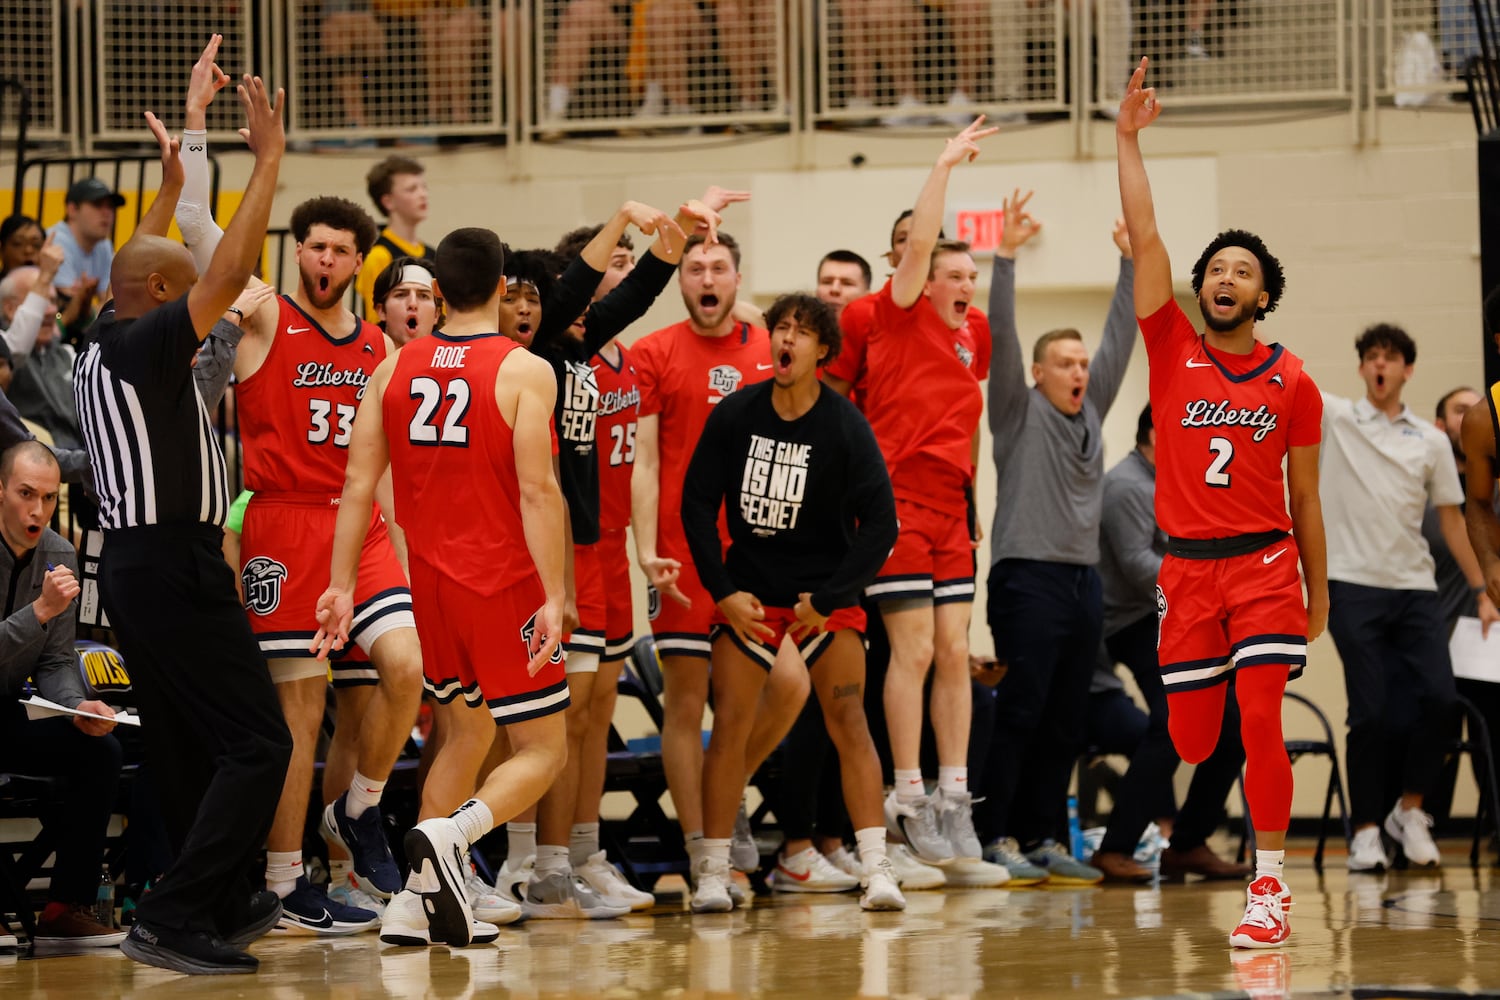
column 846, row 690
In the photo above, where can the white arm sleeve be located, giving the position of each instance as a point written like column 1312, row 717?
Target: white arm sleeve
column 199, row 230
column 25, row 324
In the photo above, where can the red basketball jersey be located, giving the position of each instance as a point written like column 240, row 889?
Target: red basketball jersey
column 972, row 342
column 682, row 376
column 453, row 464
column 923, row 403
column 619, row 399
column 1223, row 424
column 297, row 411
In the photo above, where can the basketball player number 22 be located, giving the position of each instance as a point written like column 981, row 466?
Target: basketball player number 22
column 423, row 429
column 1223, row 450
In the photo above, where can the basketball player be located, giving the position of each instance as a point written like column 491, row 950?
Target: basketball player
column 302, row 368
column 685, row 370
column 405, row 307
column 465, row 413
column 1229, row 410
column 843, row 276
column 811, row 518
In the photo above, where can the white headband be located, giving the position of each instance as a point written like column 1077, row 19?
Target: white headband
column 415, row 274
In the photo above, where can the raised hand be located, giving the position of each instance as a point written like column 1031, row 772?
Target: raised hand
column 965, row 146
column 705, row 219
column 1139, row 107
column 207, row 79
column 264, row 132
column 718, row 198
column 335, row 613
column 253, row 297
column 49, row 261
column 1020, row 227
column 1121, row 237
column 171, row 151
column 651, row 220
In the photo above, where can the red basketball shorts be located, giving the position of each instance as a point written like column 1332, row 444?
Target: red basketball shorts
column 812, row 647
column 933, row 559
column 619, row 609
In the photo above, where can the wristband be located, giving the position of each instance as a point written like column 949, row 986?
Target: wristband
column 237, row 312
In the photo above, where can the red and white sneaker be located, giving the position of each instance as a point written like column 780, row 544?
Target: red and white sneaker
column 1267, row 921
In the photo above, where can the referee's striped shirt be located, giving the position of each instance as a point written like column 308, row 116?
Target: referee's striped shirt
column 155, row 455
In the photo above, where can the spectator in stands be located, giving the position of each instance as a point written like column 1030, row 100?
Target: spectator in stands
column 1381, row 465
column 399, row 190
column 843, row 276
column 584, row 28
column 36, row 641
column 1131, row 546
column 20, row 242
column 28, row 299
column 85, row 237
column 352, row 40
column 659, row 26
column 1045, row 598
column 43, row 386
column 405, row 305
column 452, row 34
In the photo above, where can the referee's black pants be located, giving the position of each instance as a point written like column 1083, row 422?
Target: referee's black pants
column 215, row 736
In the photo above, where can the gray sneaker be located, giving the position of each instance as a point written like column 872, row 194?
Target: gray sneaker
column 916, row 822
column 1062, row 868
column 565, row 896
column 955, row 813
column 1006, row 853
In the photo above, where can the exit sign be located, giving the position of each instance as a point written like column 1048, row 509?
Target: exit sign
column 979, row 227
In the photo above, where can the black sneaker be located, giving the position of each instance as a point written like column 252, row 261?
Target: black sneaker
column 196, row 953
column 260, row 915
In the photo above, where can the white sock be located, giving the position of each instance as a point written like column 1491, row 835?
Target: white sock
column 871, row 846
column 1269, row 863
column 339, row 870
column 909, row 787
column 583, row 843
column 474, row 820
column 953, row 779
column 363, row 793
column 717, row 849
column 520, row 841
column 283, row 869
column 552, row 859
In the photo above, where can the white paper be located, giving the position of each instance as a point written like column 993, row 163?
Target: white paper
column 38, row 707
column 1474, row 656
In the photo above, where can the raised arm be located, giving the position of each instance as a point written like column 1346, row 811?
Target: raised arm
column 1007, row 375
column 195, row 216
column 1107, row 371
column 927, row 215
column 1479, row 491
column 158, row 218
column 239, row 251
column 1153, row 271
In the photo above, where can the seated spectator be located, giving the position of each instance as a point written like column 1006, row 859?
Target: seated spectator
column 398, row 189
column 20, row 242
column 42, row 389
column 36, row 641
column 352, row 40
column 85, row 236
column 584, row 28
column 28, row 300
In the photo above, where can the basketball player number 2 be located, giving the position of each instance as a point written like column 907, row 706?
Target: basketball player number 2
column 423, row 430
column 1223, row 450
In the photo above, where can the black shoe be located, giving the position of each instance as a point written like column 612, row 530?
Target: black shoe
column 196, row 953
column 260, row 915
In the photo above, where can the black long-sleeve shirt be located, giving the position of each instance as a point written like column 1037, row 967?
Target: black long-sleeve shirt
column 576, row 413
column 808, row 501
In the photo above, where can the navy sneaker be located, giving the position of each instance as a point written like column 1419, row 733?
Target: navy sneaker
column 365, row 841
column 308, row 910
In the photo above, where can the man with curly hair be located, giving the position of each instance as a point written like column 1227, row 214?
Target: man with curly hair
column 1229, row 410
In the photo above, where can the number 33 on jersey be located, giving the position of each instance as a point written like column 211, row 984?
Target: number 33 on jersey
column 1224, row 424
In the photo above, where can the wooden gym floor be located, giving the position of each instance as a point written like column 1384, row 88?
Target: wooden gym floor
column 1434, row 935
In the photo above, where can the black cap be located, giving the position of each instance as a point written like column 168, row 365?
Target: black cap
column 92, row 189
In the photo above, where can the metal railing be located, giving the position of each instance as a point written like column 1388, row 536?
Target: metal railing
column 540, row 69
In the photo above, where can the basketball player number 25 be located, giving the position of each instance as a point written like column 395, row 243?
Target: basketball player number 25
column 1223, row 450
column 423, row 429
column 623, row 452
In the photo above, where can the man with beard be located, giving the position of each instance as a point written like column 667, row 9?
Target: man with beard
column 302, row 369
column 1382, row 466
column 1230, row 410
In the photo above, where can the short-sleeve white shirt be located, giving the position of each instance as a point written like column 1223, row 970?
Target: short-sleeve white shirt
column 1377, row 477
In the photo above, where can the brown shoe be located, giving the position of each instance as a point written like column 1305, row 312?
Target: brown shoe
column 1202, row 861
column 1120, row 867
column 74, row 927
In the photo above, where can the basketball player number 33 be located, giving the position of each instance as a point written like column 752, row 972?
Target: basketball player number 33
column 424, row 428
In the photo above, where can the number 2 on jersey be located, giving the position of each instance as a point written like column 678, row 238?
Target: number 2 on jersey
column 321, row 429
column 1223, row 450
column 623, row 452
column 423, row 429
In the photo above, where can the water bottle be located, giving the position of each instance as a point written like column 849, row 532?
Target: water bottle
column 104, row 900
column 1075, row 832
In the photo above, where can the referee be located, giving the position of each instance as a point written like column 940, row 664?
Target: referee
column 214, row 733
